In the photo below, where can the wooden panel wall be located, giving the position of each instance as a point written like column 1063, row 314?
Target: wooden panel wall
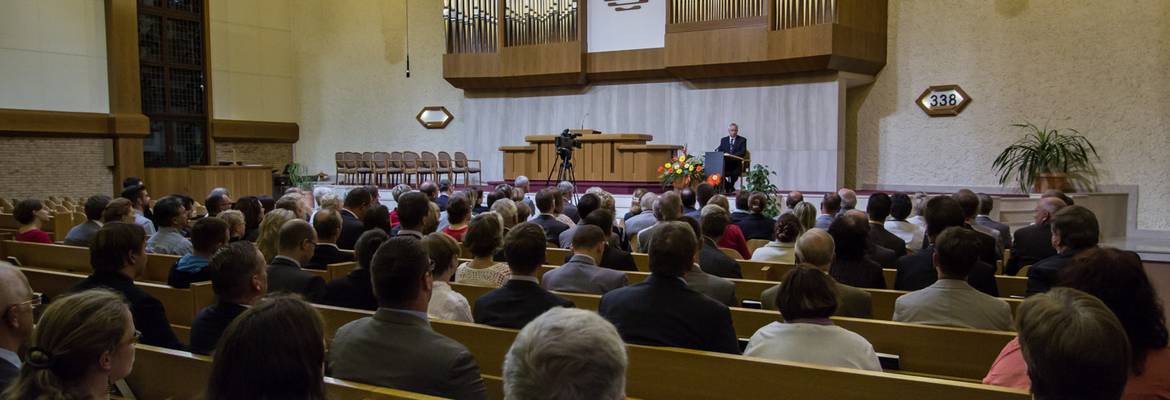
column 197, row 181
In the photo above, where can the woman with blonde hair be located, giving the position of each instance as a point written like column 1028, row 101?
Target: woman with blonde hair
column 82, row 343
column 236, row 225
column 270, row 232
column 806, row 213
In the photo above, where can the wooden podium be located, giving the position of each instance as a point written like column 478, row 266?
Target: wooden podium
column 603, row 157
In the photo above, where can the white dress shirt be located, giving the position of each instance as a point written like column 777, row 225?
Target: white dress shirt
column 448, row 304
column 909, row 232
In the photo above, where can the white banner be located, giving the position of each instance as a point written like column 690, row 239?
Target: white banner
column 626, row 24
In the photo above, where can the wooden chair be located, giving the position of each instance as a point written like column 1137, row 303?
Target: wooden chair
column 380, row 167
column 410, row 166
column 445, row 167
column 394, row 172
column 364, row 167
column 731, row 253
column 340, row 167
column 428, row 166
column 754, row 244
column 464, row 164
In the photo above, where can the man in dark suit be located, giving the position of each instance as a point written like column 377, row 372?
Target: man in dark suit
column 741, row 206
column 917, row 271
column 986, row 203
column 991, row 249
column 735, row 145
column 327, row 223
column 413, row 211
column 853, row 264
column 521, row 299
column 613, row 257
column 296, row 245
column 815, row 247
column 444, row 194
column 118, row 255
column 82, row 235
column 688, row 202
column 711, row 259
column 1033, row 243
column 878, row 209
column 355, row 290
column 17, row 321
column 581, row 273
column 1074, row 229
column 662, row 311
column 587, row 204
column 240, row 278
column 357, row 201
column 416, row 359
column 546, row 202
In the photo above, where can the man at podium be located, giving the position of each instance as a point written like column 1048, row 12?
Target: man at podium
column 735, row 146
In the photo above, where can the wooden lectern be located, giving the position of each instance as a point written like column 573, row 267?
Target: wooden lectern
column 612, row 157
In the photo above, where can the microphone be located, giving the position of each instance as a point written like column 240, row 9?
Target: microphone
column 583, row 120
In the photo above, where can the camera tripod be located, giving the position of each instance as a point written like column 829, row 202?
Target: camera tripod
column 564, row 171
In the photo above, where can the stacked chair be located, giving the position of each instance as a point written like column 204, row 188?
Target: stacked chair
column 387, row 169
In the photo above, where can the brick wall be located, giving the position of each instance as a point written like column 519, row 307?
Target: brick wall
column 54, row 167
column 275, row 155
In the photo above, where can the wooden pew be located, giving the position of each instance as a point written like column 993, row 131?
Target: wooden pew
column 161, row 373
column 1009, row 286
column 76, row 259
column 701, row 375
column 922, row 348
column 340, row 270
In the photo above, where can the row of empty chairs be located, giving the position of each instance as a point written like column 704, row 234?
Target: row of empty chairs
column 387, row 169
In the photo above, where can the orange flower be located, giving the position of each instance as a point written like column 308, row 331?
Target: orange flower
column 699, row 168
column 660, row 170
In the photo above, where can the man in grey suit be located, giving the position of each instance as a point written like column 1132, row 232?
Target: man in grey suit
column 830, row 206
column 668, row 208
column 417, row 359
column 986, row 203
column 82, row 235
column 816, row 248
column 719, row 289
column 581, row 274
column 643, row 220
column 950, row 301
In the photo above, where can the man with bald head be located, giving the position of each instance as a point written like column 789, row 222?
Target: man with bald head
column 668, row 208
column 815, row 248
column 794, row 198
column 296, row 246
column 1033, row 243
column 17, row 297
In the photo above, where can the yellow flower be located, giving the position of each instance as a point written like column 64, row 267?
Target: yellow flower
column 666, row 165
column 682, row 158
column 690, row 167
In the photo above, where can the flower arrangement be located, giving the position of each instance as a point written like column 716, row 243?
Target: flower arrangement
column 681, row 171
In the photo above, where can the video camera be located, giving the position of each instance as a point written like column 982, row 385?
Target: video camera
column 565, row 144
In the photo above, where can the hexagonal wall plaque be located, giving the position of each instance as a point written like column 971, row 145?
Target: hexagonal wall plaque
column 434, row 117
column 943, row 100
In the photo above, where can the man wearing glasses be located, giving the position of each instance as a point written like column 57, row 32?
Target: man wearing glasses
column 19, row 303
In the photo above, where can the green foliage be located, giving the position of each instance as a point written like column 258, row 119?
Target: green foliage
column 1043, row 151
column 757, row 180
column 297, row 178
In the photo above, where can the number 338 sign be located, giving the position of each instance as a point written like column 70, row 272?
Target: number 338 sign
column 943, row 100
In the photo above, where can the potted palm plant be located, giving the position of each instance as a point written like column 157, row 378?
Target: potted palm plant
column 1047, row 159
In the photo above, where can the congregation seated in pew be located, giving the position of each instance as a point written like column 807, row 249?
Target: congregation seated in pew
column 82, row 234
column 355, row 289
column 31, row 214
column 667, row 208
column 878, row 209
column 581, row 273
column 852, row 264
column 951, row 301
column 718, row 288
column 900, row 208
column 171, row 219
column 588, row 203
column 274, row 350
column 816, row 248
column 208, row 235
column 1074, row 230
column 521, row 299
column 614, row 257
column 917, row 271
column 327, row 223
column 714, row 221
column 239, row 278
column 444, row 254
column 417, row 359
column 297, row 242
column 781, row 249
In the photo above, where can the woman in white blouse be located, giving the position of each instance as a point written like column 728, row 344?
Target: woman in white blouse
column 782, row 248
column 806, row 300
column 445, row 303
column 484, row 236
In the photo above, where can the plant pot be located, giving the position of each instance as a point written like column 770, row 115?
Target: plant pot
column 681, row 183
column 1051, row 181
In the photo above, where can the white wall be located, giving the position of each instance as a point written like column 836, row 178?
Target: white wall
column 53, row 55
column 253, row 70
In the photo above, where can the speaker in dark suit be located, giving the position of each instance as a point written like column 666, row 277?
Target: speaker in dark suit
column 737, row 146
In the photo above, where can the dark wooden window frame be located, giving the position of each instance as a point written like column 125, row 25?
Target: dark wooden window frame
column 166, row 13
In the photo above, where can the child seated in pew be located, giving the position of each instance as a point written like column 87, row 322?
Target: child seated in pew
column 275, row 350
column 806, row 300
column 207, row 236
column 31, row 214
column 83, row 342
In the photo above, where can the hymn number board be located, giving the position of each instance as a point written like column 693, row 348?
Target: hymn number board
column 943, row 100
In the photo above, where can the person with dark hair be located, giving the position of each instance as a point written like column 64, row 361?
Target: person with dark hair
column 794, row 198
column 732, row 236
column 1074, row 230
column 806, row 300
column 830, row 207
column 613, row 257
column 118, row 210
column 82, row 234
column 445, row 303
column 712, row 260
column 458, row 216
column 82, row 343
column 521, row 299
column 703, row 193
column 31, row 214
column 715, row 287
column 418, row 359
column 688, row 202
column 1033, row 243
column 327, row 224
column 357, row 201
column 815, row 248
column 782, row 248
column 1119, row 280
column 117, row 256
column 413, row 209
column 355, row 289
column 1056, row 194
column 986, row 203
column 917, row 271
column 852, row 265
column 377, row 217
column 207, row 237
column 912, row 234
column 274, row 350
column 140, row 200
column 296, row 244
column 239, row 279
column 1074, row 348
column 741, row 206
column 267, row 203
column 171, row 219
column 951, row 301
column 668, row 208
column 756, row 225
column 217, row 203
column 878, row 209
column 582, row 273
column 662, row 310
column 588, row 203
column 253, row 213
column 991, row 248
column 546, row 202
